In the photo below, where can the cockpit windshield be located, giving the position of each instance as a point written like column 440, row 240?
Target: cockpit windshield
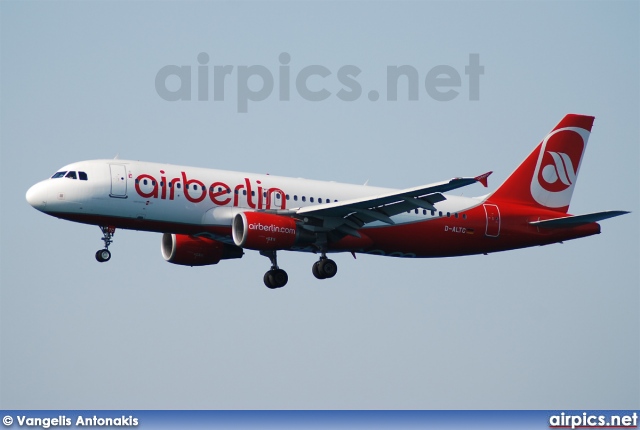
column 71, row 175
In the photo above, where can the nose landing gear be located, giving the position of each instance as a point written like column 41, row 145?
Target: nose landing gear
column 104, row 255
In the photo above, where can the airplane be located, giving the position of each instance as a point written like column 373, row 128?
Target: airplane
column 209, row 215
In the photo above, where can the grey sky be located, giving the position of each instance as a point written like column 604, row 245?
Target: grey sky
column 549, row 327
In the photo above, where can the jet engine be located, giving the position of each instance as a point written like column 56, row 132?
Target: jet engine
column 266, row 232
column 196, row 251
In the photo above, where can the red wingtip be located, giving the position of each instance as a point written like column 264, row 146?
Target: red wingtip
column 483, row 179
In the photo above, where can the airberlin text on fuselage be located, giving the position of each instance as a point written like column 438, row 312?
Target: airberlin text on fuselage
column 272, row 228
column 220, row 193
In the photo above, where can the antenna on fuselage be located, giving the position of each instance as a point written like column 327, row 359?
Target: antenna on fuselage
column 117, row 157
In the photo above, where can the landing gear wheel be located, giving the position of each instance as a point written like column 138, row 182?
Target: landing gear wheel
column 316, row 270
column 328, row 268
column 103, row 255
column 324, row 268
column 276, row 278
column 267, row 280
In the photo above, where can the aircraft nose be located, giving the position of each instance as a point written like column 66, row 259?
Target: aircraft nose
column 37, row 196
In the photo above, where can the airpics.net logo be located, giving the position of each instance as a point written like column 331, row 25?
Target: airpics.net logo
column 588, row 420
column 287, row 80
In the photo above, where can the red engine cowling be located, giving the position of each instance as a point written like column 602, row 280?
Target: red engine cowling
column 262, row 231
column 196, row 251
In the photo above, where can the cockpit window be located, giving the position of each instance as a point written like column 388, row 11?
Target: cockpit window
column 71, row 175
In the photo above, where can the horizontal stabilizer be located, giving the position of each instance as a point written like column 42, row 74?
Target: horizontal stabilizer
column 573, row 221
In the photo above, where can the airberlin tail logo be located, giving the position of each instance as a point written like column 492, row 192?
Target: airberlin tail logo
column 557, row 167
column 560, row 174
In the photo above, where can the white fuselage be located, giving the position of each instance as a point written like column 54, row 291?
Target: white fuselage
column 196, row 196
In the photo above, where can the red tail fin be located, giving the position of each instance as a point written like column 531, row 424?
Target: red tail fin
column 546, row 178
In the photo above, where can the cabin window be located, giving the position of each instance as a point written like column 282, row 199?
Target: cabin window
column 83, row 176
column 153, row 183
column 59, row 175
column 178, row 185
column 464, row 216
column 244, row 192
column 287, row 196
column 433, row 213
column 456, row 214
column 439, row 213
column 304, row 199
column 449, row 214
column 71, row 175
column 145, row 182
column 295, row 197
column 311, row 199
column 253, row 193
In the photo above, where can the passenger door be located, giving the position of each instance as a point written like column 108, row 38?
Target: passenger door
column 493, row 220
column 118, row 181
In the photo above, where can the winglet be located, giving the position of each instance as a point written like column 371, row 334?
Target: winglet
column 483, row 179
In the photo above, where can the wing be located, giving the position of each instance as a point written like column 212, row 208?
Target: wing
column 348, row 216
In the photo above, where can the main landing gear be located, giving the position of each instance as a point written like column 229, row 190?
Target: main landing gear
column 324, row 268
column 277, row 278
column 104, row 255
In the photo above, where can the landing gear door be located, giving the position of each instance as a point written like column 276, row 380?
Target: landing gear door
column 118, row 181
column 493, row 220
